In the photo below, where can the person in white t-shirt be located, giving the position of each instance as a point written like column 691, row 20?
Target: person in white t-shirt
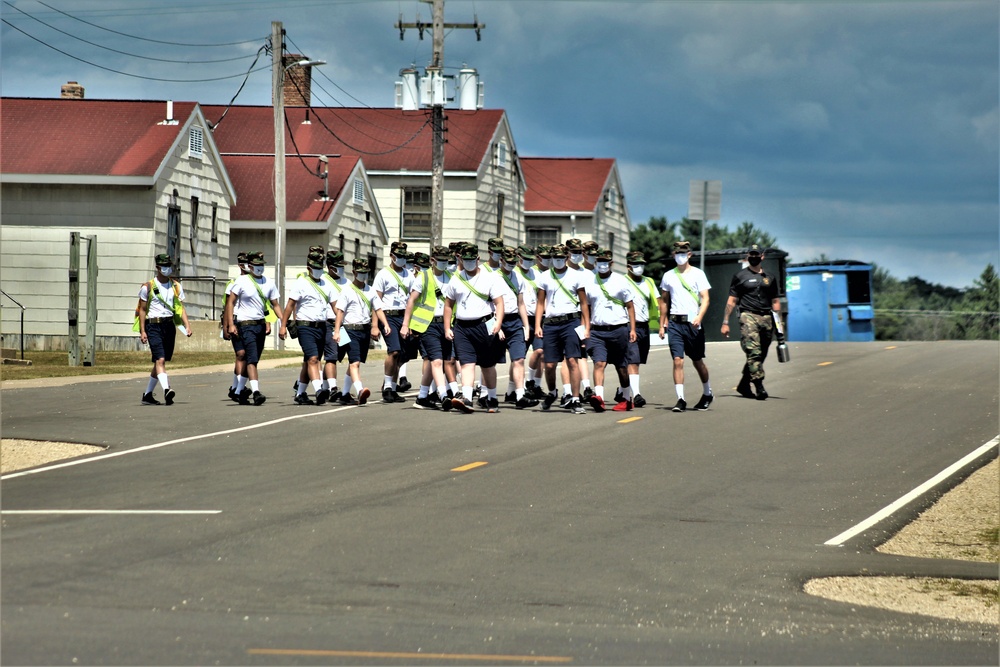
column 309, row 299
column 684, row 302
column 160, row 300
column 250, row 307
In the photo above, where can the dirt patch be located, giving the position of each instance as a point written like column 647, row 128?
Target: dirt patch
column 21, row 454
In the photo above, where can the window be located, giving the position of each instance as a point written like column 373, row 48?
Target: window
column 174, row 230
column 357, row 249
column 359, row 191
column 416, row 214
column 612, row 198
column 194, row 227
column 215, row 222
column 372, row 262
column 196, row 142
column 535, row 236
column 340, row 246
column 502, row 155
column 611, row 241
column 859, row 286
column 500, row 207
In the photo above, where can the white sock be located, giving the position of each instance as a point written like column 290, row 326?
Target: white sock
column 241, row 384
column 331, row 384
column 633, row 382
column 236, row 381
column 584, row 383
column 358, row 387
column 529, row 374
column 680, row 391
column 599, row 390
column 442, row 393
column 467, row 393
column 302, row 387
column 519, row 393
column 491, row 393
column 453, row 386
column 707, row 388
column 566, row 390
column 402, row 371
column 424, row 391
column 317, row 385
column 389, row 383
column 151, row 385
column 164, row 382
column 627, row 393
column 254, row 385
column 510, row 387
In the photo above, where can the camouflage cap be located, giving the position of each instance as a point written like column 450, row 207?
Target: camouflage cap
column 163, row 259
column 422, row 259
column 495, row 244
column 574, row 245
column 397, row 245
column 360, row 265
column 315, row 254
column 544, row 251
column 682, row 246
column 335, row 258
column 403, row 253
column 635, row 257
column 315, row 261
column 509, row 255
column 316, row 248
column 470, row 251
column 559, row 250
column 454, row 246
column 526, row 251
column 256, row 258
column 241, row 257
column 442, row 253
column 604, row 255
column 590, row 247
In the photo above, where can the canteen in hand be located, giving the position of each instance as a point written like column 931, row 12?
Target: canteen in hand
column 784, row 355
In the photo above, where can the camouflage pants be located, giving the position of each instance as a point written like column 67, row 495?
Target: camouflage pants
column 756, row 332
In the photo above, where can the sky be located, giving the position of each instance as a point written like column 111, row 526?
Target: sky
column 856, row 130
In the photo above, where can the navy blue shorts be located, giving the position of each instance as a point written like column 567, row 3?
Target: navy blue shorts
column 433, row 344
column 513, row 330
column 474, row 344
column 685, row 339
column 534, row 342
column 253, row 341
column 407, row 347
column 237, row 343
column 357, row 351
column 560, row 341
column 642, row 340
column 312, row 340
column 612, row 347
column 161, row 337
column 331, row 351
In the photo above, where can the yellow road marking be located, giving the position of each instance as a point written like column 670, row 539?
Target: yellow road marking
column 892, row 347
column 630, row 419
column 470, row 466
column 825, row 363
column 412, row 656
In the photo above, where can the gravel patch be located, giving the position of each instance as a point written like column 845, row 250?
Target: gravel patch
column 21, row 454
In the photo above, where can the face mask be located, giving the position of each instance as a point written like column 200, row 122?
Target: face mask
column 316, row 273
column 546, row 263
column 257, row 270
column 441, row 266
column 495, row 256
column 575, row 258
column 754, row 261
column 361, row 277
column 603, row 267
column 526, row 264
column 166, row 270
column 591, row 259
column 452, row 266
column 469, row 265
column 637, row 269
column 559, row 263
column 409, row 266
column 508, row 267
column 399, row 262
column 681, row 258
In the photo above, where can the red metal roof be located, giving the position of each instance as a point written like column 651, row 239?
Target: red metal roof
column 564, row 184
column 253, row 179
column 86, row 137
column 386, row 139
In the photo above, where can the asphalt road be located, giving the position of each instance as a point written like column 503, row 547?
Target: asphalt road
column 290, row 534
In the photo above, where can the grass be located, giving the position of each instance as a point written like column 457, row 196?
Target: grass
column 56, row 364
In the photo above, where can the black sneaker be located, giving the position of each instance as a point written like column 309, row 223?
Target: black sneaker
column 424, row 403
column 335, row 396
column 396, row 398
column 347, row 399
column 619, row 396
column 526, row 402
column 244, row 396
column 147, row 399
column 706, row 400
column 168, row 396
column 434, row 399
column 743, row 388
column 446, row 404
column 680, row 406
column 587, row 393
column 463, row 405
column 302, row 399
column 510, row 398
column 566, row 402
column 259, row 398
column 638, row 401
column 576, row 407
column 233, row 395
column 387, row 396
column 476, row 391
column 403, row 384
column 538, row 393
column 322, row 396
column 548, row 401
column 492, row 405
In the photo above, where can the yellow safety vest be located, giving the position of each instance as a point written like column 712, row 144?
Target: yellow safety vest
column 177, row 307
column 423, row 309
column 652, row 302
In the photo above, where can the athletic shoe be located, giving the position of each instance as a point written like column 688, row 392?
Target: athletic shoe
column 483, row 402
column 567, row 402
column 462, row 405
column 576, row 407
column 619, row 396
column 435, row 400
column 510, row 398
column 303, row 399
column 597, row 403
column 335, row 396
column 680, row 406
column 363, row 396
column 424, row 403
column 492, row 405
column 387, row 396
column 147, row 399
column 259, row 398
column 639, row 401
column 397, row 398
column 245, row 396
column 446, row 404
column 537, row 392
column 706, row 400
column 622, row 406
column 403, row 384
column 476, row 391
column 233, row 395
column 525, row 402
column 587, row 393
column 322, row 396
column 347, row 399
column 743, row 388
column 168, row 396
column 548, row 401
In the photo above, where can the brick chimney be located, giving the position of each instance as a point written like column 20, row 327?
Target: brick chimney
column 297, row 82
column 72, row 91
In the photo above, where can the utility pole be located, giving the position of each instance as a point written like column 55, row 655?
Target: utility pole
column 278, row 101
column 435, row 73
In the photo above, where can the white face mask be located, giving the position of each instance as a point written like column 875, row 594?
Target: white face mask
column 495, row 256
column 526, row 264
column 452, row 266
column 546, row 263
column 603, row 267
column 591, row 259
column 681, row 258
column 441, row 266
column 559, row 263
column 508, row 267
column 257, row 270
column 166, row 270
column 399, row 262
column 637, row 269
column 361, row 277
column 575, row 258
column 316, row 273
column 469, row 265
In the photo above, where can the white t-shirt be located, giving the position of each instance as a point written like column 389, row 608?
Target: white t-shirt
column 394, row 287
column 682, row 302
column 356, row 311
column 338, row 285
column 248, row 304
column 469, row 306
column 529, row 288
column 640, row 300
column 604, row 311
column 310, row 306
column 158, row 308
column 557, row 301
column 509, row 294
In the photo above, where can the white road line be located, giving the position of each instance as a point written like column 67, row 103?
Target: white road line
column 90, row 512
column 903, row 501
column 178, row 441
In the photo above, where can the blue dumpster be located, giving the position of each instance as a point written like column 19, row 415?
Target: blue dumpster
column 830, row 302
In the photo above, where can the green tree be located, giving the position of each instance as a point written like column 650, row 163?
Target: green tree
column 982, row 299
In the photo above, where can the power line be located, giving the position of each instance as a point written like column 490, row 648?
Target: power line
column 240, row 89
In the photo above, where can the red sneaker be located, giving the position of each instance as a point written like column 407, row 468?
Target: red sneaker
column 623, row 406
column 596, row 402
column 363, row 396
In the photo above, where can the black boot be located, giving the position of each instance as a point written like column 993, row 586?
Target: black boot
column 761, row 394
column 743, row 388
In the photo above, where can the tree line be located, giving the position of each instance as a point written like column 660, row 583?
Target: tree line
column 909, row 309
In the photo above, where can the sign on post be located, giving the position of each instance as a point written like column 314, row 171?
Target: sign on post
column 705, row 200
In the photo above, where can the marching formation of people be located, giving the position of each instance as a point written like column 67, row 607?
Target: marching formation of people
column 547, row 308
